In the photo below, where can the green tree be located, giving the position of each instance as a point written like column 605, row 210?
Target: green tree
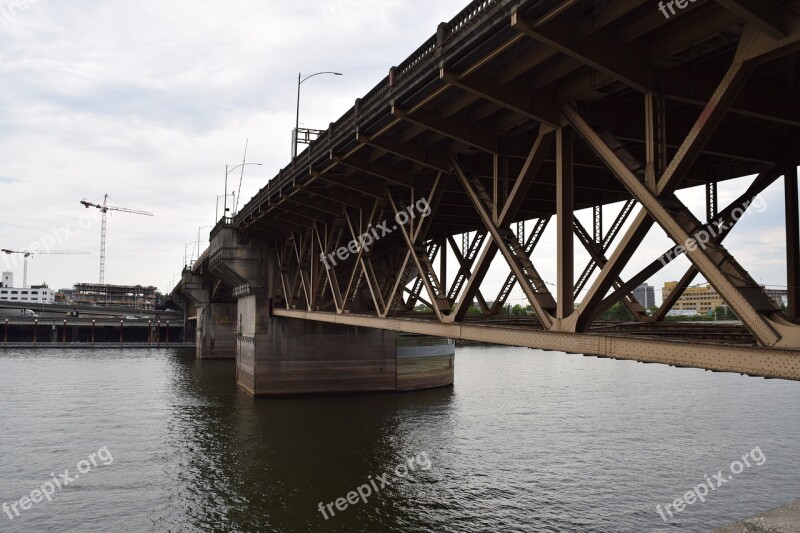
column 518, row 310
column 617, row 312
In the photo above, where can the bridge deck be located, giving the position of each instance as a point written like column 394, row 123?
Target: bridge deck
column 481, row 86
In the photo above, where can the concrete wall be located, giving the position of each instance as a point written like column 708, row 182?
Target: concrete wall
column 305, row 357
column 216, row 338
column 424, row 362
column 302, row 357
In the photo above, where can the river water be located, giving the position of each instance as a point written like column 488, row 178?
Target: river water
column 153, row 440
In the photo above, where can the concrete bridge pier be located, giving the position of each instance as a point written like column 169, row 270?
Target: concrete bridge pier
column 216, row 338
column 282, row 356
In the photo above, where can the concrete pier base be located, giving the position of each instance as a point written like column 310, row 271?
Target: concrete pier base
column 216, row 338
column 278, row 356
column 782, row 520
column 299, row 357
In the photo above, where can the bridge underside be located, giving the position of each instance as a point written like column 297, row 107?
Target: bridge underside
column 512, row 117
column 646, row 347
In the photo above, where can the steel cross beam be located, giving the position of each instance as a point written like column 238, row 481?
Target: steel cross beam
column 465, row 264
column 364, row 253
column 416, row 290
column 728, row 278
column 511, row 280
column 304, row 250
column 416, row 238
column 595, row 51
column 605, row 244
column 431, row 281
column 598, row 258
column 763, row 15
column 506, row 241
column 720, row 227
column 522, row 185
column 328, row 247
column 754, row 361
column 792, row 241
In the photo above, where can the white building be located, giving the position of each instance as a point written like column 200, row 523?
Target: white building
column 39, row 295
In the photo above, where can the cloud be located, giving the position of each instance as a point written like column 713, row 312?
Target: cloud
column 148, row 101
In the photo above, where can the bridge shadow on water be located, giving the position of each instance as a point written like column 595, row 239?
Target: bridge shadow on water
column 267, row 464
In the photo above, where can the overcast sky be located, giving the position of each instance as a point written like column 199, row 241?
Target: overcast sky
column 148, row 101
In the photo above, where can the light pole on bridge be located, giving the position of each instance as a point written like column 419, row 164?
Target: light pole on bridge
column 300, row 81
column 228, row 173
column 185, row 248
column 201, row 228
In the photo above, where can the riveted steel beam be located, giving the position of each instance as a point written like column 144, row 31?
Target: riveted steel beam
column 734, row 284
column 753, row 361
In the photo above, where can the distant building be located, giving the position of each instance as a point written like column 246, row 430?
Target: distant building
column 36, row 294
column 679, row 312
column 8, row 280
column 779, row 296
column 701, row 300
column 646, row 295
column 65, row 295
column 135, row 296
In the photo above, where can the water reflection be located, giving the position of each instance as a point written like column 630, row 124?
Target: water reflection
column 525, row 441
column 266, row 465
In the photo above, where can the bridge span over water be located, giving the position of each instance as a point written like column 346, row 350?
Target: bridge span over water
column 514, row 115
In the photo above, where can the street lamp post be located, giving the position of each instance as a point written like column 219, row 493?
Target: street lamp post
column 186, row 247
column 300, row 80
column 219, row 196
column 201, row 228
column 228, row 173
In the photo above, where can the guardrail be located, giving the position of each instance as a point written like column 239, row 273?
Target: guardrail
column 339, row 131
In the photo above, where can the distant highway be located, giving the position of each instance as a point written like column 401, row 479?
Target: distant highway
column 45, row 310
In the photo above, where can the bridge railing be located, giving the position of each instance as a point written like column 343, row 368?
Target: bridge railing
column 343, row 128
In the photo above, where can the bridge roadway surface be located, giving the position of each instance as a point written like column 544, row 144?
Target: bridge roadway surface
column 524, row 112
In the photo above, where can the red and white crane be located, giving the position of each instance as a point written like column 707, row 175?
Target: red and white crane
column 31, row 253
column 105, row 208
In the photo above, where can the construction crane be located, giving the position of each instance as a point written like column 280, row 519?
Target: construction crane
column 105, row 208
column 31, row 253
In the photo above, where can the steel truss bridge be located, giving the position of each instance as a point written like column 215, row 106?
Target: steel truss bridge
column 526, row 111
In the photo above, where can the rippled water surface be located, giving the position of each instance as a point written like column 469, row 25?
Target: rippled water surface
column 525, row 441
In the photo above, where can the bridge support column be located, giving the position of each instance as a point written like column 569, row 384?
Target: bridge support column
column 295, row 357
column 278, row 356
column 281, row 357
column 216, row 337
column 792, row 243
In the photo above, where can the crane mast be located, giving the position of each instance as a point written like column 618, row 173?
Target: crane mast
column 103, row 227
column 104, row 209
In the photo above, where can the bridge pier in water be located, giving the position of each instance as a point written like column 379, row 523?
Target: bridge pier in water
column 278, row 356
column 215, row 336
